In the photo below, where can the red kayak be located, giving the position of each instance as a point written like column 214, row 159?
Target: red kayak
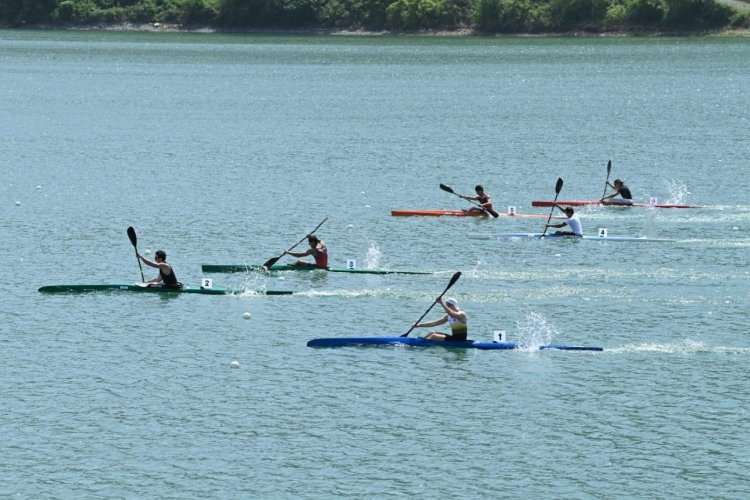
column 461, row 213
column 580, row 203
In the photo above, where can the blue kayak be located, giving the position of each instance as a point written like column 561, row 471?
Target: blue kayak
column 420, row 342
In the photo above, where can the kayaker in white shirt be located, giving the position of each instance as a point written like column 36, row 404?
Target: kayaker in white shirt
column 455, row 317
column 572, row 222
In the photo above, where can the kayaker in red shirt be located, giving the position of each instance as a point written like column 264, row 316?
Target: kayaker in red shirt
column 317, row 249
column 482, row 198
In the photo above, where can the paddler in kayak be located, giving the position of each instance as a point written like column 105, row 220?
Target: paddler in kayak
column 166, row 276
column 621, row 196
column 317, row 249
column 482, row 198
column 455, row 317
column 572, row 221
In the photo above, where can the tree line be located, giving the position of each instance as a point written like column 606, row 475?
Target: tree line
column 482, row 16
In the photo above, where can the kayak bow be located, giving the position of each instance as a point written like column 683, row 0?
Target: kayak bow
column 420, row 342
column 123, row 287
column 240, row 268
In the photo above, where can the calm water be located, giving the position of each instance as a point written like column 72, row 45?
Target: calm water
column 228, row 149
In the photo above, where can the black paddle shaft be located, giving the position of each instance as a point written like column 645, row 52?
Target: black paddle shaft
column 134, row 242
column 558, row 188
column 606, row 182
column 274, row 260
column 452, row 282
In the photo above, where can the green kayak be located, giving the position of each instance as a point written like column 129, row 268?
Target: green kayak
column 243, row 268
column 148, row 289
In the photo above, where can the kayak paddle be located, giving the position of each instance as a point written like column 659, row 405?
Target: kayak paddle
column 452, row 282
column 488, row 210
column 558, row 187
column 267, row 264
column 134, row 241
column 609, row 169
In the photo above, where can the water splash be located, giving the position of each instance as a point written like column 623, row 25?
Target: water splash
column 678, row 192
column 683, row 347
column 534, row 331
column 373, row 257
column 651, row 221
column 254, row 283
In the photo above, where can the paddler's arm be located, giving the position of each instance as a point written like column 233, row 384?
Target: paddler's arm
column 148, row 262
column 157, row 279
column 431, row 323
column 610, row 196
column 300, row 254
column 158, row 265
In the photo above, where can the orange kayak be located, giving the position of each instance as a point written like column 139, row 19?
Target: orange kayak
column 461, row 213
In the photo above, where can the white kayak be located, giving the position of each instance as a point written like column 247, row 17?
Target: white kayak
column 552, row 236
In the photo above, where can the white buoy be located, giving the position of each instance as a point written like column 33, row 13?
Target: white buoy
column 350, row 225
column 234, row 364
column 147, row 251
column 558, row 255
column 247, row 315
column 39, row 187
column 18, row 203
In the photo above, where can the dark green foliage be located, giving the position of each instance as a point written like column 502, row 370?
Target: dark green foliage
column 20, row 12
column 412, row 15
column 696, row 15
column 488, row 16
column 198, row 12
column 644, row 12
column 573, row 15
column 512, row 16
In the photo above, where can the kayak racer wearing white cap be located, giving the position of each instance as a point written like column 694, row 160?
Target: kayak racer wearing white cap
column 455, row 317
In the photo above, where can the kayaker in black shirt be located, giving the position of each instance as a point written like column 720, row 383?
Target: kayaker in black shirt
column 621, row 192
column 166, row 276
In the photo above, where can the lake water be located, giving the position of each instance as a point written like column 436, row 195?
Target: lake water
column 229, row 149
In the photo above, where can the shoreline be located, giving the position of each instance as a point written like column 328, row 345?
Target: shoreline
column 461, row 32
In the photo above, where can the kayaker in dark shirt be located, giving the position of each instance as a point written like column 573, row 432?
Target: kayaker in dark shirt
column 317, row 249
column 455, row 317
column 166, row 276
column 482, row 198
column 621, row 195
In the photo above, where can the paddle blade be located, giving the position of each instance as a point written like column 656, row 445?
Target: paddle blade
column 452, row 282
column 267, row 264
column 132, row 236
column 609, row 168
column 559, row 185
column 447, row 188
